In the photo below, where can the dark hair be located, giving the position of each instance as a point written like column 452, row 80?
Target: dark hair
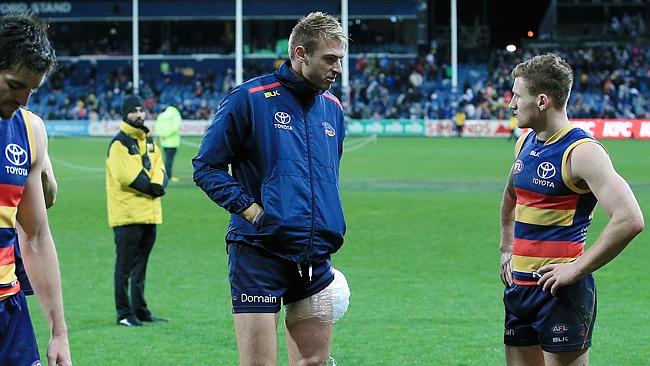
column 24, row 42
column 547, row 73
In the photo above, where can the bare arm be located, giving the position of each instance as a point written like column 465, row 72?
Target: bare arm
column 50, row 187
column 590, row 163
column 41, row 258
column 508, row 204
column 48, row 180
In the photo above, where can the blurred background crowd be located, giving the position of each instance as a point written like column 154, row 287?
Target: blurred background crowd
column 396, row 71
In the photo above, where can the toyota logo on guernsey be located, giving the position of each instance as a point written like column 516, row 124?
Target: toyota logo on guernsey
column 283, row 119
column 545, row 171
column 17, row 156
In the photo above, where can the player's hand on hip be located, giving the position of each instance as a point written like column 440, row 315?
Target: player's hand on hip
column 253, row 213
column 555, row 276
column 506, row 269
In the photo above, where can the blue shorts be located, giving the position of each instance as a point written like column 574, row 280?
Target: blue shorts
column 259, row 279
column 562, row 323
column 17, row 340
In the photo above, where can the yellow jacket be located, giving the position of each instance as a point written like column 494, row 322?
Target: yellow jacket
column 134, row 163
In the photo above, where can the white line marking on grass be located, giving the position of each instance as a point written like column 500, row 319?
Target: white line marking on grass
column 189, row 143
column 77, row 167
column 352, row 146
column 358, row 144
column 102, row 139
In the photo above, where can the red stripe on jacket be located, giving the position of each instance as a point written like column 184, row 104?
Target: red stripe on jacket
column 263, row 87
column 335, row 99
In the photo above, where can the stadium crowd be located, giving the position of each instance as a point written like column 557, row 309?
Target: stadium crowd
column 611, row 81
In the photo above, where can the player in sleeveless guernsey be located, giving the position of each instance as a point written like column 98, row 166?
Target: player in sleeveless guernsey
column 26, row 56
column 559, row 174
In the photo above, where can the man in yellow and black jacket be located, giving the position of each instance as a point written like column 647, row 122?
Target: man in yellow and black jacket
column 135, row 181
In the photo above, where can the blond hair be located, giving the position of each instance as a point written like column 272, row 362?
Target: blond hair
column 314, row 28
column 547, row 74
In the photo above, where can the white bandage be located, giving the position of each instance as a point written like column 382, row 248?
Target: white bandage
column 328, row 306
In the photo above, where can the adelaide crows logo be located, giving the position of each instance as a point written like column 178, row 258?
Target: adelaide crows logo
column 329, row 130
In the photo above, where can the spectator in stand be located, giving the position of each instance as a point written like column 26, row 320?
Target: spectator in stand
column 374, row 85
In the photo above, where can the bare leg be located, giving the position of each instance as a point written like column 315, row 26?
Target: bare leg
column 577, row 358
column 256, row 338
column 308, row 342
column 524, row 356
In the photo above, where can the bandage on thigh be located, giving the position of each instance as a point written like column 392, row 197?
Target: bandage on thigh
column 328, row 306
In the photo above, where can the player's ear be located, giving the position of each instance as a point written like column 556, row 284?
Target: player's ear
column 542, row 102
column 301, row 54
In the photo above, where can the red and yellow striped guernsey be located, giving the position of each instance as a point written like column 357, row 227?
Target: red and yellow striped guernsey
column 16, row 159
column 552, row 214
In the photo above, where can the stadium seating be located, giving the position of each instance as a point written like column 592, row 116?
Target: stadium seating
column 611, row 81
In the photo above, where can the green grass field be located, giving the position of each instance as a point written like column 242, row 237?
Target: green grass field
column 421, row 256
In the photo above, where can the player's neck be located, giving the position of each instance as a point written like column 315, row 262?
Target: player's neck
column 555, row 121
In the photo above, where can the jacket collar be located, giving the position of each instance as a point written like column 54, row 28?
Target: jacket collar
column 291, row 81
column 137, row 132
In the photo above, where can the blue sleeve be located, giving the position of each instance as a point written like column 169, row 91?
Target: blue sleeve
column 221, row 144
column 341, row 135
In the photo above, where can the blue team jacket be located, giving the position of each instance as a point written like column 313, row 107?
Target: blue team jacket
column 284, row 141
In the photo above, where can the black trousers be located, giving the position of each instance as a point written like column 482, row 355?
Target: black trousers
column 170, row 153
column 133, row 244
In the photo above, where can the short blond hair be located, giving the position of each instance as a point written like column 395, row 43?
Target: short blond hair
column 548, row 74
column 312, row 29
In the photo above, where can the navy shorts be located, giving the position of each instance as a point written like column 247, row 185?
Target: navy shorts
column 562, row 323
column 259, row 279
column 17, row 340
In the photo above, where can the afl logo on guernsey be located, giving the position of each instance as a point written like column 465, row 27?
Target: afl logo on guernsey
column 518, row 166
column 546, row 170
column 329, row 130
column 16, row 154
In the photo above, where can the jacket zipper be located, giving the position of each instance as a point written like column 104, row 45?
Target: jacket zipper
column 311, row 186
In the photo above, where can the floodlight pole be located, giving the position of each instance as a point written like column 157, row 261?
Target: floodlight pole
column 136, row 49
column 454, row 49
column 239, row 43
